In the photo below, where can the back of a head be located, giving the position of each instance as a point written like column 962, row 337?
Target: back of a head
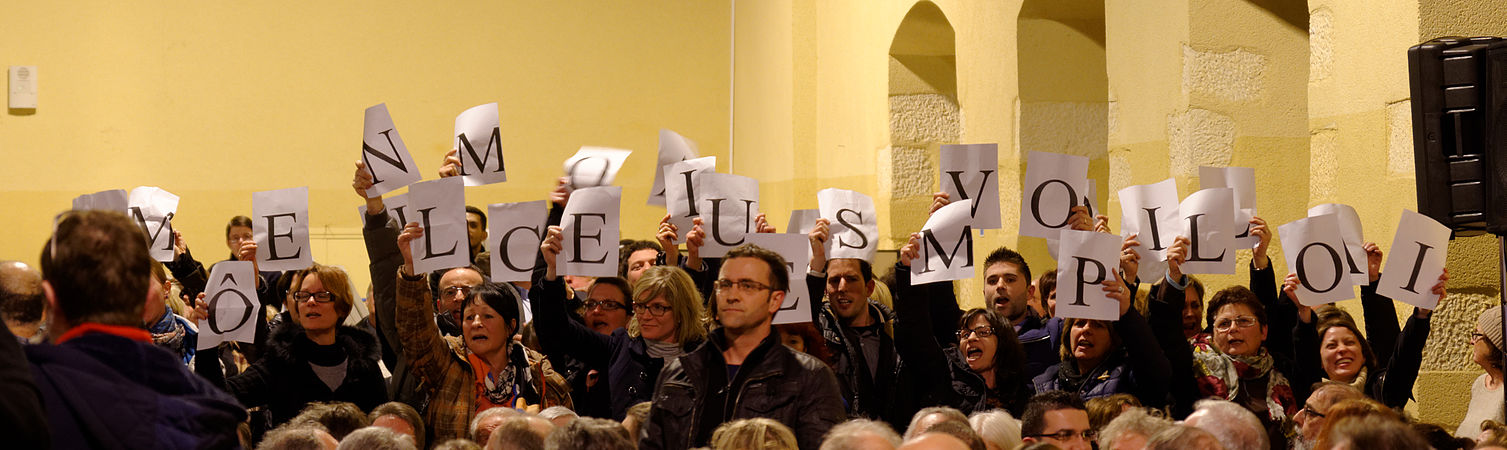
column 1372, row 432
column 1236, row 428
column 962, row 431
column 555, row 412
column 1183, row 437
column 1133, row 423
column 1101, row 410
column 515, row 433
column 861, row 434
column 405, row 412
column 935, row 441
column 943, row 413
column 591, row 433
column 997, row 427
column 21, row 298
column 340, row 418
column 98, row 267
column 756, row 433
column 457, row 444
column 376, row 438
column 1034, row 419
column 478, row 434
column 296, row 437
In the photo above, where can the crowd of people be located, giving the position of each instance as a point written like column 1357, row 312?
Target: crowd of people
column 679, row 351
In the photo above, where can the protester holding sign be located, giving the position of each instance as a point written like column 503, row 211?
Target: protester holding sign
column 667, row 322
column 869, row 370
column 169, row 330
column 486, row 369
column 1329, row 344
column 319, row 360
column 984, row 370
column 1102, row 358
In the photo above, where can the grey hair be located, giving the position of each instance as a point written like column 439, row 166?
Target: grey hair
column 1132, row 421
column 294, row 437
column 376, row 438
column 952, row 414
column 1182, row 437
column 555, row 412
column 844, row 435
column 1236, row 428
column 997, row 427
column 487, row 414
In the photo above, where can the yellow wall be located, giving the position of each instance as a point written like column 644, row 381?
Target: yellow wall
column 215, row 100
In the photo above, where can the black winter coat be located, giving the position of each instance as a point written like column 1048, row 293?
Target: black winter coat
column 283, row 381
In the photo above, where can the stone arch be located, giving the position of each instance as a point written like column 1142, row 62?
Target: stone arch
column 924, row 112
column 1064, row 102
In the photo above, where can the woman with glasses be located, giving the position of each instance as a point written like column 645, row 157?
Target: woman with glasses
column 983, row 369
column 1486, row 391
column 664, row 320
column 1235, row 365
column 1384, row 362
column 318, row 361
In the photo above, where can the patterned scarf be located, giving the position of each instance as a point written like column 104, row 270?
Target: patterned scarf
column 168, row 333
column 1220, row 375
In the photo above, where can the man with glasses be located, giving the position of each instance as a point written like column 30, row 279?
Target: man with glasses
column 1314, row 414
column 1058, row 418
column 742, row 371
column 858, row 330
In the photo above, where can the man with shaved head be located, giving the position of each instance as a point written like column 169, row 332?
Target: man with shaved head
column 22, row 304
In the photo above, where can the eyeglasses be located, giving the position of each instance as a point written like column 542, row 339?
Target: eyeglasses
column 981, row 332
column 1242, row 322
column 1310, row 410
column 606, row 305
column 1068, row 435
column 726, row 285
column 653, row 310
column 319, row 297
column 464, row 291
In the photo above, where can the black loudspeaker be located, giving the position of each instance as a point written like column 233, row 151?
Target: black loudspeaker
column 1459, row 93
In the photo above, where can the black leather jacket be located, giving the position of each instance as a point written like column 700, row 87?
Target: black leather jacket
column 774, row 382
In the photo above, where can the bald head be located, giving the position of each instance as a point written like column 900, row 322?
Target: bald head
column 21, row 298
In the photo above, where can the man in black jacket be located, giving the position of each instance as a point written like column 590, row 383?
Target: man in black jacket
column 860, row 333
column 743, row 371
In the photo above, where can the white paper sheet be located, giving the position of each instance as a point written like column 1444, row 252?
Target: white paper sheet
column 1417, row 258
column 802, row 221
column 1350, row 231
column 1088, row 260
column 673, row 148
column 1208, row 216
column 478, row 137
column 111, row 200
column 1054, row 184
column 397, row 208
column 854, row 223
column 728, row 205
column 385, row 155
column 1243, row 181
column 1315, row 251
column 153, row 208
column 797, row 253
column 440, row 207
column 946, row 246
column 514, row 231
column 594, row 166
column 1150, row 211
column 971, row 172
column 280, row 226
column 231, row 294
column 590, row 232
column 680, row 192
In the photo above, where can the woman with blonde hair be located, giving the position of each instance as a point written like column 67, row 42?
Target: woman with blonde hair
column 319, row 360
column 755, row 433
column 667, row 321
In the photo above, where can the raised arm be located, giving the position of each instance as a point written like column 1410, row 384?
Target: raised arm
column 381, row 235
column 816, row 284
column 914, row 328
column 1401, row 370
column 558, row 334
column 422, row 346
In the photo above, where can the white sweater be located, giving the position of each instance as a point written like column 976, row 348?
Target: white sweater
column 1484, row 404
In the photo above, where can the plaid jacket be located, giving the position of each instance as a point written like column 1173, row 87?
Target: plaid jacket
column 443, row 371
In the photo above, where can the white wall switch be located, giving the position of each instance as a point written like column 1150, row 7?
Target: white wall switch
column 23, row 87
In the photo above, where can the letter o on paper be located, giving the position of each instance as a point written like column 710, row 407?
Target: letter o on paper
column 1334, row 256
